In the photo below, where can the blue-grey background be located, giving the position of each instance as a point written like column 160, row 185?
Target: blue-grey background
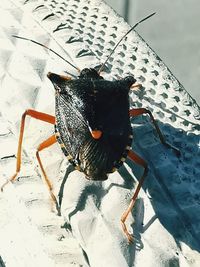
column 173, row 33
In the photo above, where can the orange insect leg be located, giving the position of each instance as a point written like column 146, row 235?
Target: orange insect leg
column 34, row 114
column 133, row 156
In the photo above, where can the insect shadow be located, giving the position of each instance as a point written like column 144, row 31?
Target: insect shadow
column 167, row 186
column 173, row 186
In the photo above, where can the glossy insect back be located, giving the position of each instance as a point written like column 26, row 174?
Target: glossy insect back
column 92, row 117
column 90, row 103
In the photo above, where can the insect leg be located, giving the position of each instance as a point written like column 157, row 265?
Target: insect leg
column 47, row 143
column 34, row 114
column 133, row 156
column 140, row 111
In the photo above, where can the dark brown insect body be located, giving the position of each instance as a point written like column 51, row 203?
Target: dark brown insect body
column 90, row 104
column 92, row 125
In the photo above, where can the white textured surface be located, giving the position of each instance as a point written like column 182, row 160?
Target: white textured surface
column 173, row 33
column 166, row 218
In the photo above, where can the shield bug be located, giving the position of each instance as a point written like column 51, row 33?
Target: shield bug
column 92, row 125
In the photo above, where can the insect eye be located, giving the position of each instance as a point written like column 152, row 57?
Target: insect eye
column 130, row 80
column 84, row 72
column 89, row 74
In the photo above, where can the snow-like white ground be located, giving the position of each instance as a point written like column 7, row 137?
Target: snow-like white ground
column 166, row 218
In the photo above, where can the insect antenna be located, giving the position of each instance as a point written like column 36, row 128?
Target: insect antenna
column 132, row 28
column 51, row 50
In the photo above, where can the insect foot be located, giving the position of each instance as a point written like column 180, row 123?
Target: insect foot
column 10, row 180
column 176, row 150
column 128, row 235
